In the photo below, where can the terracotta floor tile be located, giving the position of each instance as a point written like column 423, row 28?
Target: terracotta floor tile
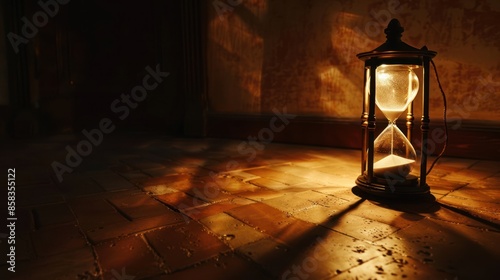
column 233, row 232
column 325, row 255
column 313, row 163
column 67, row 265
column 57, row 239
column 458, row 163
column 110, row 181
column 326, row 200
column 455, row 249
column 52, row 215
column 142, row 163
column 95, row 212
column 228, row 266
column 266, row 218
column 270, row 184
column 159, row 189
column 395, row 266
column 469, row 175
column 75, row 185
column 38, row 195
column 488, row 195
column 385, row 214
column 166, row 180
column 185, row 245
column 278, row 176
column 181, row 200
column 440, row 186
column 90, row 222
column 210, row 193
column 359, row 227
column 273, row 222
column 345, row 176
column 269, row 254
column 232, row 185
column 321, row 255
column 130, row 256
column 137, row 205
column 160, row 172
column 458, row 216
column 210, row 209
column 261, row 194
column 486, row 210
column 243, row 176
column 125, row 228
column 488, row 165
column 312, row 175
column 316, row 214
column 133, row 175
column 290, row 203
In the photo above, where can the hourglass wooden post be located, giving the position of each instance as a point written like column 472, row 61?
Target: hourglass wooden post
column 389, row 162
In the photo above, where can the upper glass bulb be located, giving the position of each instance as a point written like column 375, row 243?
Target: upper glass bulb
column 396, row 87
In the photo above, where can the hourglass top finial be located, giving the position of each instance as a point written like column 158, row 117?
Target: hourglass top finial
column 394, row 30
column 394, row 48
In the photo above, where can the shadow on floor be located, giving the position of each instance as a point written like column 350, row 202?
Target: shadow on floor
column 420, row 204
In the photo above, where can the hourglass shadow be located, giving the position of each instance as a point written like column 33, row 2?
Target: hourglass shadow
column 425, row 203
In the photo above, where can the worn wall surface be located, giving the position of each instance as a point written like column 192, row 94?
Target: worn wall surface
column 265, row 54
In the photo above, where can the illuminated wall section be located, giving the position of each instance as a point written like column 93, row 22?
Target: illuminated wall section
column 301, row 54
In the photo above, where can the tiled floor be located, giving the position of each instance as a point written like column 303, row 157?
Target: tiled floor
column 151, row 207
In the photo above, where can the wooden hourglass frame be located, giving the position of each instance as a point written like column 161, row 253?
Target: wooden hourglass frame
column 389, row 164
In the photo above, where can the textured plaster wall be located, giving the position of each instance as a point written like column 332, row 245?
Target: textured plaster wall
column 300, row 54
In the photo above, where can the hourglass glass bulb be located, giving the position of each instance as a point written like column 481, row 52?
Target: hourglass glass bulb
column 394, row 155
column 396, row 87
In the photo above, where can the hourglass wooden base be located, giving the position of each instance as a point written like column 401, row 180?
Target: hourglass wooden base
column 392, row 187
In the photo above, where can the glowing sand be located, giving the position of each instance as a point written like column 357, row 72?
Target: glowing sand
column 396, row 165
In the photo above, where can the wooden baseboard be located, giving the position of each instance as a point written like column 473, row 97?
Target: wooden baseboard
column 467, row 139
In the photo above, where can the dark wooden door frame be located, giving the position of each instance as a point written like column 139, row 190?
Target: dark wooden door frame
column 194, row 22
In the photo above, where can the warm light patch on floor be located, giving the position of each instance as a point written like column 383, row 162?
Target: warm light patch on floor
column 175, row 209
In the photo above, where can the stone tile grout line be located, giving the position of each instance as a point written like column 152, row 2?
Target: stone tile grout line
column 98, row 269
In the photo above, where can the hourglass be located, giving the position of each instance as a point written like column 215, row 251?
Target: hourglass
column 396, row 87
column 389, row 162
